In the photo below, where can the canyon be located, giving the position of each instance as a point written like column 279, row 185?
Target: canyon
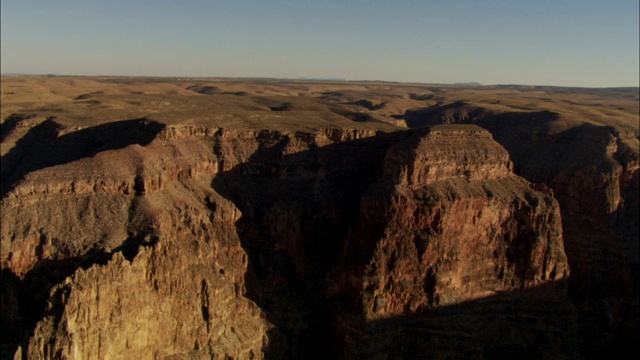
column 246, row 219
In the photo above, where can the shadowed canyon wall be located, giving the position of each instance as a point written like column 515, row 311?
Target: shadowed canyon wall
column 593, row 172
column 188, row 242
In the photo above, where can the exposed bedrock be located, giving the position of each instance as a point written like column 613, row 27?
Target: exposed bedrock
column 450, row 231
column 194, row 242
column 593, row 171
column 179, row 295
column 130, row 251
column 299, row 194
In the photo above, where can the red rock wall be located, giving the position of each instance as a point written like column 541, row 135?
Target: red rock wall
column 477, row 235
column 229, row 242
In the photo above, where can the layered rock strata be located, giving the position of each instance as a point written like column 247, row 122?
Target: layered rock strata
column 140, row 254
column 130, row 251
column 593, row 172
column 195, row 242
column 449, row 229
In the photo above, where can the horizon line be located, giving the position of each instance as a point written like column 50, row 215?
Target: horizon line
column 316, row 79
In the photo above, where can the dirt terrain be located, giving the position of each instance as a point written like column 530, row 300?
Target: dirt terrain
column 166, row 218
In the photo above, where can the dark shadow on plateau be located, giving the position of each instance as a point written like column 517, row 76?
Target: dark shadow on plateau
column 9, row 124
column 355, row 116
column 41, row 147
column 437, row 114
column 367, row 104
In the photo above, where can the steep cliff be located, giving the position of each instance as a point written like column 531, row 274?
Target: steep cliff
column 129, row 253
column 187, row 241
column 593, row 172
column 119, row 247
column 449, row 228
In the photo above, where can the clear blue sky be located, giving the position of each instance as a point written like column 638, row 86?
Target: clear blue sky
column 543, row 42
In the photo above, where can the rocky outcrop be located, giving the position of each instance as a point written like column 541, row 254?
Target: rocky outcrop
column 130, row 250
column 449, row 225
column 198, row 242
column 129, row 253
column 447, row 153
column 593, row 172
column 455, row 112
column 176, row 294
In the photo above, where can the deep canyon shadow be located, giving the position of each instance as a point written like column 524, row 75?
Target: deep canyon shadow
column 532, row 323
column 601, row 244
column 298, row 210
